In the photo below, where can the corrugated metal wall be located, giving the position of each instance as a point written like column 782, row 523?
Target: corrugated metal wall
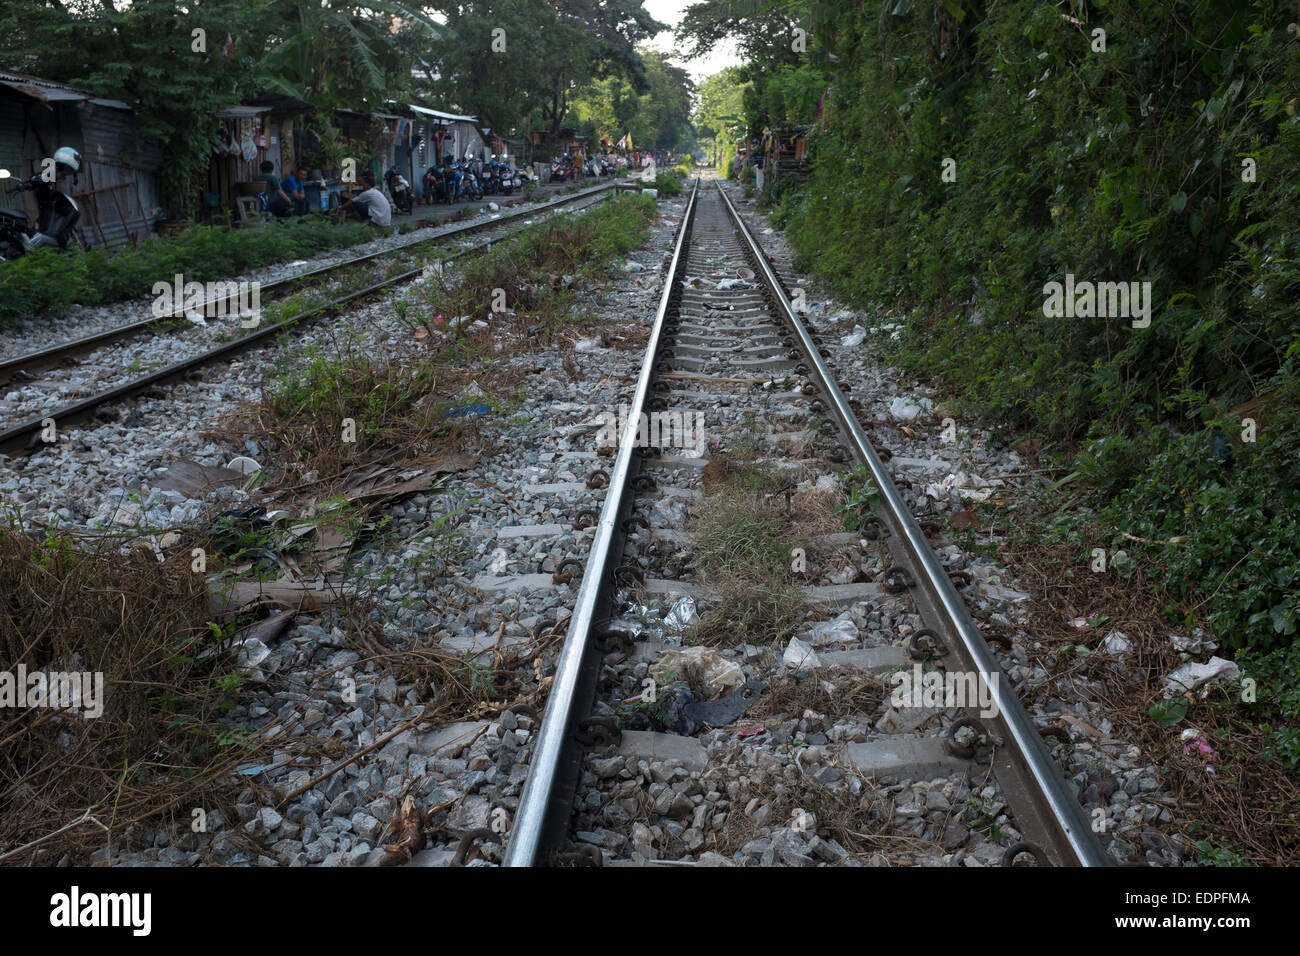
column 11, row 136
column 114, row 156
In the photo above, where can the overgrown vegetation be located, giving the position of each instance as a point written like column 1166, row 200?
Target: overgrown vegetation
column 143, row 626
column 667, row 184
column 340, row 405
column 50, row 281
column 965, row 155
column 743, row 536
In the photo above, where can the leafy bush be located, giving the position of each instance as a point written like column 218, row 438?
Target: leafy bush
column 1063, row 159
column 667, row 184
column 49, row 281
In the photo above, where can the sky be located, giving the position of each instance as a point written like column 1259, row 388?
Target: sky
column 670, row 12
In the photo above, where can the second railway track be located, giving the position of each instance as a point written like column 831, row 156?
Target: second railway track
column 631, row 762
column 32, row 368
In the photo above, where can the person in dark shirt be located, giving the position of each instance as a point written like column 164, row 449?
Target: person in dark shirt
column 277, row 199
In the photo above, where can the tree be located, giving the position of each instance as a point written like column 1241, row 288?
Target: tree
column 719, row 115
column 147, row 56
column 343, row 52
column 659, row 118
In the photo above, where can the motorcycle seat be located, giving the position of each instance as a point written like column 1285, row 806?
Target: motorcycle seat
column 13, row 214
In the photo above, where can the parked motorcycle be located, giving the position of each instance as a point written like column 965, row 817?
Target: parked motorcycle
column 400, row 190
column 502, row 177
column 471, row 185
column 57, row 215
column 562, row 170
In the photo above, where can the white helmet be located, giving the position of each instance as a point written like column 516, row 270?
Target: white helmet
column 68, row 157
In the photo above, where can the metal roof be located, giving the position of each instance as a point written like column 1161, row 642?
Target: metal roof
column 281, row 103
column 438, row 114
column 47, row 91
column 242, row 112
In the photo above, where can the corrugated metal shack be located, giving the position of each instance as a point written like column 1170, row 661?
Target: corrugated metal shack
column 117, row 186
column 266, row 127
column 438, row 134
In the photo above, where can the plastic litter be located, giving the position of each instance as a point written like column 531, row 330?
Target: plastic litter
column 854, row 338
column 1193, row 645
column 243, row 465
column 799, row 655
column 1116, row 642
column 467, row 411
column 842, row 630
column 905, row 408
column 968, row 486
column 1194, row 743
column 1193, row 675
column 722, row 674
column 681, row 615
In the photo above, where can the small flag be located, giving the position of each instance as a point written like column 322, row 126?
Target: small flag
column 229, row 47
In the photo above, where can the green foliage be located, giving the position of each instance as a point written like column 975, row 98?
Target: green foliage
column 144, row 55
column 48, row 281
column 1169, row 711
column 1069, row 161
column 863, row 498
column 658, row 118
column 667, row 184
column 349, row 53
column 624, row 225
column 1173, row 157
column 718, row 117
column 553, row 50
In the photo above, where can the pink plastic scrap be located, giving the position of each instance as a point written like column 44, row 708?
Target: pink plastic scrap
column 751, row 731
column 1194, row 741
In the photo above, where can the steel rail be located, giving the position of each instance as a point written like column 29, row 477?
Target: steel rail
column 525, row 845
column 1062, row 808
column 63, row 349
column 23, row 435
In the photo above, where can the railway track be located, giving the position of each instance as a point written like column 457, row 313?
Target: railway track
column 708, row 351
column 26, row 434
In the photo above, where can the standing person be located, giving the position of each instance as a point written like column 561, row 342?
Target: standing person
column 577, row 164
column 370, row 205
column 277, row 198
column 295, row 184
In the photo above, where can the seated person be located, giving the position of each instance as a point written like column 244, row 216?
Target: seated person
column 295, row 184
column 277, row 199
column 370, row 205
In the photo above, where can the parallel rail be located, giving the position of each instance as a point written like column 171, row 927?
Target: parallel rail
column 62, row 350
column 26, row 435
column 1045, row 810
